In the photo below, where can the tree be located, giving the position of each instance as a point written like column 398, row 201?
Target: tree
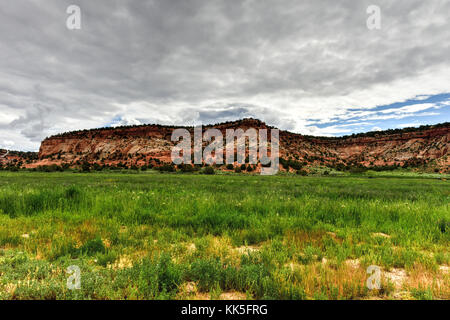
column 208, row 170
column 86, row 167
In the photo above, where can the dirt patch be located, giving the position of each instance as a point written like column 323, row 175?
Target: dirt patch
column 396, row 276
column 294, row 266
column 188, row 288
column 381, row 235
column 300, row 238
column 201, row 296
column 353, row 263
column 419, row 277
column 402, row 295
column 233, row 295
column 444, row 269
column 332, row 234
column 123, row 262
column 11, row 288
column 247, row 249
column 191, row 247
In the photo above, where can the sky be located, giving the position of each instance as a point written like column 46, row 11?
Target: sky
column 312, row 67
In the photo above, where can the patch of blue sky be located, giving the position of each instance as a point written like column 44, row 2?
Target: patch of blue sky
column 422, row 110
column 114, row 121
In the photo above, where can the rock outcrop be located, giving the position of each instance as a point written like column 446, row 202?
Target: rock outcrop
column 151, row 144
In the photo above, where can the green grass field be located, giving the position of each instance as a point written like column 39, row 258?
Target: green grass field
column 176, row 236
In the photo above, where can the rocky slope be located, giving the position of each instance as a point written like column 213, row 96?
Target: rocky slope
column 150, row 144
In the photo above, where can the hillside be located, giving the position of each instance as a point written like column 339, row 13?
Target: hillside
column 151, row 145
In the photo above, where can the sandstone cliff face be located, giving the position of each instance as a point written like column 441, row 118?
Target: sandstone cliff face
column 142, row 144
column 431, row 143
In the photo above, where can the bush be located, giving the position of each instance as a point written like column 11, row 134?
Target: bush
column 206, row 272
column 295, row 164
column 237, row 170
column 230, row 166
column 186, row 168
column 302, row 172
column 208, row 170
column 85, row 167
column 104, row 259
column 93, row 246
column 167, row 167
column 158, row 278
column 358, row 170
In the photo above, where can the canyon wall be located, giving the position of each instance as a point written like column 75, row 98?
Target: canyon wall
column 140, row 145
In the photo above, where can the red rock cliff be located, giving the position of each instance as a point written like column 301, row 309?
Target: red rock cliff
column 140, row 144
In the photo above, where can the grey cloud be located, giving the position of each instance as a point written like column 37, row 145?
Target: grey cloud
column 193, row 53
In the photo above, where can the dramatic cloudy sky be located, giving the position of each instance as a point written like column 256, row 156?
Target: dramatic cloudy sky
column 309, row 66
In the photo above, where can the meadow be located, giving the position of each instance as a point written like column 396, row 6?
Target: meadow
column 224, row 236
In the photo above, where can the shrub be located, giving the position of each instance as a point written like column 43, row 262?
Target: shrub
column 86, row 167
column 358, row 170
column 295, row 164
column 158, row 278
column 186, row 168
column 230, row 166
column 167, row 167
column 208, row 170
column 104, row 259
column 207, row 272
column 93, row 246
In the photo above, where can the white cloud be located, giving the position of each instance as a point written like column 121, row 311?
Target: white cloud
column 294, row 64
column 408, row 125
column 411, row 108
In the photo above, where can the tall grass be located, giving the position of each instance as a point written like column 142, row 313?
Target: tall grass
column 138, row 227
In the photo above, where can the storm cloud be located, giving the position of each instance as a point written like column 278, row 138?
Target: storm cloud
column 304, row 66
